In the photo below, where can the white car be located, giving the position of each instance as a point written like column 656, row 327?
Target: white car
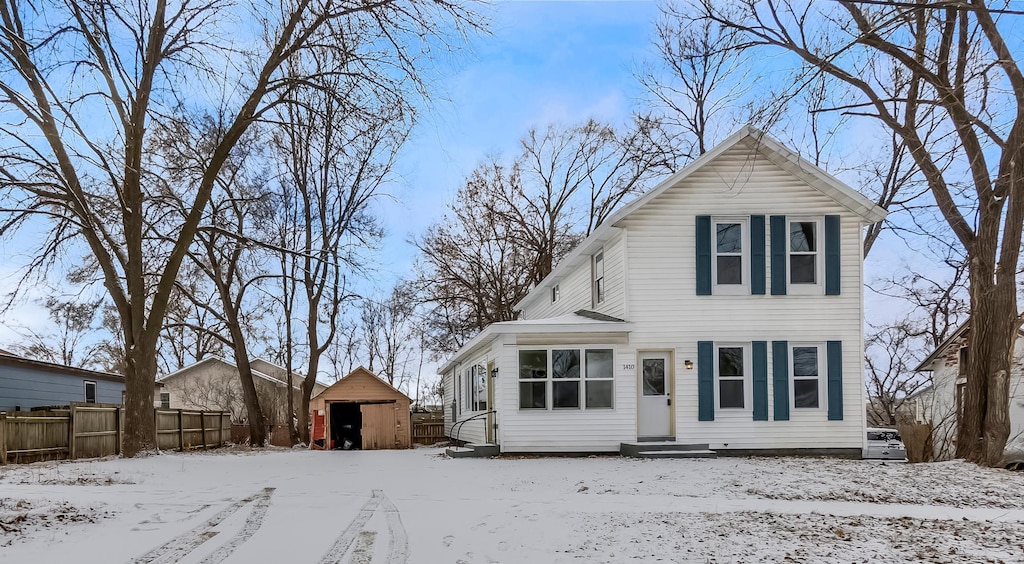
column 885, row 444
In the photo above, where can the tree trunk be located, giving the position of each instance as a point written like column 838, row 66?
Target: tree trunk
column 984, row 426
column 140, row 417
column 307, row 393
column 257, row 423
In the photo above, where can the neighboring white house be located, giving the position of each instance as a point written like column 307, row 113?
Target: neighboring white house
column 722, row 307
column 213, row 384
column 940, row 403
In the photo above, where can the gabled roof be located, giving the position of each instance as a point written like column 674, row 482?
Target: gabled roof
column 362, row 371
column 218, row 360
column 940, row 350
column 952, row 338
column 776, row 152
column 571, row 323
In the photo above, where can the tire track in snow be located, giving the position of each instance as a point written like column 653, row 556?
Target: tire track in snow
column 398, row 540
column 252, row 524
column 178, row 547
column 348, row 536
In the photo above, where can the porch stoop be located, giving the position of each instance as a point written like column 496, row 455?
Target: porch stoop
column 473, row 451
column 666, row 449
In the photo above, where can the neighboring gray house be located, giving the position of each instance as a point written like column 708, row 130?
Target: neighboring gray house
column 213, row 384
column 27, row 383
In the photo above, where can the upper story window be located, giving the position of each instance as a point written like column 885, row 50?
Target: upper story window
column 90, row 391
column 598, row 269
column 554, row 293
column 804, row 263
column 963, row 357
column 730, row 270
column 807, row 372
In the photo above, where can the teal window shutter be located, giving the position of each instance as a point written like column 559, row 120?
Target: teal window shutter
column 780, row 379
column 703, row 255
column 705, row 381
column 835, row 380
column 832, row 257
column 757, row 264
column 760, row 380
column 780, row 243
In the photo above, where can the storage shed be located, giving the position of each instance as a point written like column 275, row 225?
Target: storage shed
column 361, row 411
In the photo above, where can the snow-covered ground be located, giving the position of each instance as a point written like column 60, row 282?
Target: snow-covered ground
column 391, row 507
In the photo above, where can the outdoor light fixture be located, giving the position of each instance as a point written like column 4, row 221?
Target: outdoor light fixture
column 688, row 364
column 494, row 372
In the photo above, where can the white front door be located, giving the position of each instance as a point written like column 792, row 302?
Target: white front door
column 654, row 374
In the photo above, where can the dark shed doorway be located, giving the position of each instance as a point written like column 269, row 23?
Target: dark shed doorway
column 346, row 426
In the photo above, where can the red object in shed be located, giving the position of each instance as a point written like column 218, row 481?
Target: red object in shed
column 318, row 430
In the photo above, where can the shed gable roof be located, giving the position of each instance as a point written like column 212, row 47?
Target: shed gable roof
column 363, row 375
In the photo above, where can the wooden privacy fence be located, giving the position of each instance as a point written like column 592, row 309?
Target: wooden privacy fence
column 428, row 433
column 90, row 431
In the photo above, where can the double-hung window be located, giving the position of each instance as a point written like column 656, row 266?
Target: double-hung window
column 165, row 400
column 90, row 391
column 730, row 268
column 565, row 374
column 807, row 371
column 599, row 384
column 533, row 379
column 571, row 378
column 598, row 269
column 731, row 373
column 804, row 262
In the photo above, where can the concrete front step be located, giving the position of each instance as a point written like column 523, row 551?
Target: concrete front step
column 474, row 451
column 676, row 454
column 633, row 449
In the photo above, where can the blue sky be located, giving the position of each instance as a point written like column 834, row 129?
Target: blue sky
column 544, row 62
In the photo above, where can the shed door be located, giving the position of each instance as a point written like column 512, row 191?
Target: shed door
column 379, row 430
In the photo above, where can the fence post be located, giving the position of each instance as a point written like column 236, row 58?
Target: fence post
column 202, row 424
column 220, row 429
column 3, row 438
column 181, row 432
column 71, row 432
column 117, row 430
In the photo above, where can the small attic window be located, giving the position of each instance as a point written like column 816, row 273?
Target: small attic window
column 554, row 293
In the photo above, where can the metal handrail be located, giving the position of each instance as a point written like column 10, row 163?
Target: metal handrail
column 459, row 424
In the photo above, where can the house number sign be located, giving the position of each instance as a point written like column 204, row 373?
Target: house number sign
column 629, row 366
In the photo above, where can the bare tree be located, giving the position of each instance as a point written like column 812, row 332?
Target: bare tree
column 81, row 85
column 955, row 60
column 70, row 340
column 510, row 224
column 190, row 330
column 891, row 353
column 389, row 331
column 699, row 84
column 336, row 157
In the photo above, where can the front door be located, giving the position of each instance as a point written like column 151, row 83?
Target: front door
column 654, row 419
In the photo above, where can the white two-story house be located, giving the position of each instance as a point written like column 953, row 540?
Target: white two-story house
column 723, row 307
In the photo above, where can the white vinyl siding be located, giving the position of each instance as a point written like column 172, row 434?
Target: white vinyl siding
column 565, row 430
column 667, row 313
column 575, row 288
